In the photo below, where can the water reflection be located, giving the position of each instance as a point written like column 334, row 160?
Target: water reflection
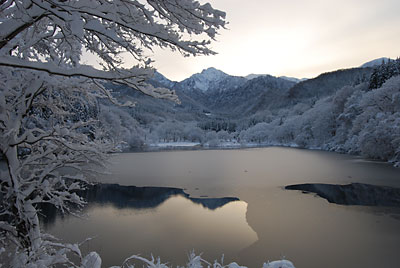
column 138, row 198
column 308, row 230
column 360, row 194
column 143, row 197
column 167, row 222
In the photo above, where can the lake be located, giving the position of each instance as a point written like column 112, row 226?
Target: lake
column 183, row 208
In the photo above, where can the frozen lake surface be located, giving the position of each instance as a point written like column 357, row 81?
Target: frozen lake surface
column 266, row 223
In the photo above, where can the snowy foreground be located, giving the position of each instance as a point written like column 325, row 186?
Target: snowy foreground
column 93, row 260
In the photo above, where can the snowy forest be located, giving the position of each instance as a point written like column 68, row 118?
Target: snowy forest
column 59, row 116
column 353, row 111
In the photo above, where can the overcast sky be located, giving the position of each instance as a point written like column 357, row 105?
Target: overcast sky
column 299, row 38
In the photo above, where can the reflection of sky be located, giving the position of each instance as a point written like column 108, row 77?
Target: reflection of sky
column 299, row 38
column 169, row 231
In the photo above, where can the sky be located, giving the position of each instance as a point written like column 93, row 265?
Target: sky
column 297, row 38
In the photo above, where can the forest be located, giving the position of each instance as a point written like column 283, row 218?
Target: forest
column 355, row 111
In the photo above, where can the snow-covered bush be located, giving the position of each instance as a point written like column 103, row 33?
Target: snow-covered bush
column 194, row 261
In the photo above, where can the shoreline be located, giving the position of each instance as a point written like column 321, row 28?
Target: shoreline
column 200, row 147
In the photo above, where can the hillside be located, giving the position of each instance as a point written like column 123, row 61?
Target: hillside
column 336, row 111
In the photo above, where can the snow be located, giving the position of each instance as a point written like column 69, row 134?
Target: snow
column 92, row 260
column 279, row 264
column 252, row 76
column 293, row 79
column 375, row 62
column 196, row 261
column 208, row 77
column 175, row 144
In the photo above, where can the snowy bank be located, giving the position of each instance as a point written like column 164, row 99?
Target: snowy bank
column 174, row 144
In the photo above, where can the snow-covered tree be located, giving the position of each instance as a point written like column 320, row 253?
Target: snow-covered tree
column 193, row 133
column 383, row 72
column 258, row 133
column 43, row 84
column 122, row 127
column 212, row 138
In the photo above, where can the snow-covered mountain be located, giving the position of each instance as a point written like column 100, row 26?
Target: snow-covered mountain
column 217, row 92
column 160, row 80
column 327, row 83
column 375, row 62
column 252, row 76
column 238, row 101
column 204, row 81
column 213, row 91
column 292, row 79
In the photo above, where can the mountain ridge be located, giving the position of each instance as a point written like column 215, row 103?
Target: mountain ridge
column 376, row 62
column 214, row 91
column 211, row 73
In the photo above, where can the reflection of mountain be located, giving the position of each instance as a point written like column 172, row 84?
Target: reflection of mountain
column 143, row 197
column 134, row 197
column 353, row 194
column 213, row 203
column 129, row 196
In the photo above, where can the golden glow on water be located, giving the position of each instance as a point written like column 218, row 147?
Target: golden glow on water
column 172, row 229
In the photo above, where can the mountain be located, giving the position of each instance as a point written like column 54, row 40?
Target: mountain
column 240, row 97
column 252, row 76
column 222, row 95
column 206, row 86
column 148, row 109
column 219, row 93
column 293, row 79
column 206, row 80
column 326, row 83
column 239, row 100
column 159, row 80
column 375, row 62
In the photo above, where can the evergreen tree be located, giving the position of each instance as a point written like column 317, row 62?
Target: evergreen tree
column 383, row 72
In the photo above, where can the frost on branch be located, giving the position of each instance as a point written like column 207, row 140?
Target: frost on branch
column 49, row 127
column 49, row 134
column 51, row 35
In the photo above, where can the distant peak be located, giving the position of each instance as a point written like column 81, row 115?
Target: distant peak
column 212, row 70
column 252, row 76
column 376, row 62
column 206, row 79
column 293, row 79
